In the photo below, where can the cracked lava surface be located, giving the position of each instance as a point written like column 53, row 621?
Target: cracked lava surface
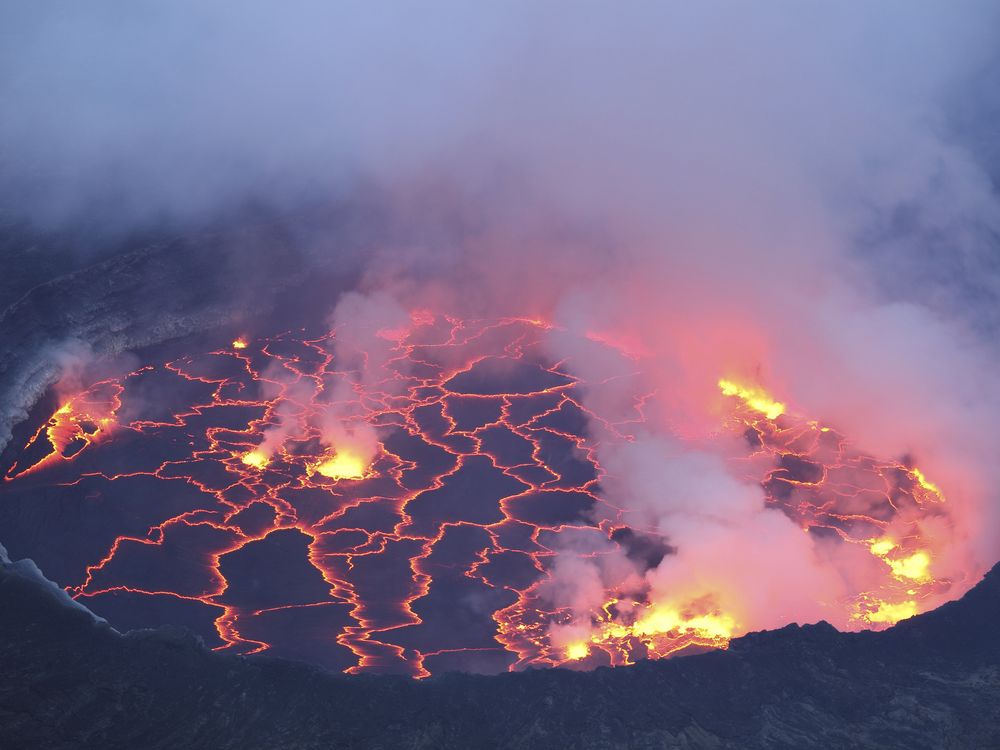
column 400, row 510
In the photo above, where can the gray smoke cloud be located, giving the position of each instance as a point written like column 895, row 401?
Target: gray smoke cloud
column 183, row 106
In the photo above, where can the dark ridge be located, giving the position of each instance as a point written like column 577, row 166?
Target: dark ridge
column 70, row 682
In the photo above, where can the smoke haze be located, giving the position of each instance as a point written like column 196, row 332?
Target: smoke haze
column 790, row 194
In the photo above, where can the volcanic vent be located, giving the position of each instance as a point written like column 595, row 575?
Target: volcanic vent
column 419, row 500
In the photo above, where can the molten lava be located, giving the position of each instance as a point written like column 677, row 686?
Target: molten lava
column 435, row 546
column 255, row 458
column 341, row 465
column 754, row 398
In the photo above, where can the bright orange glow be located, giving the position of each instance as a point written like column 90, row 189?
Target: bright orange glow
column 755, row 398
column 342, row 465
column 85, row 419
column 882, row 547
column 889, row 614
column 914, row 567
column 922, row 481
column 321, row 428
column 256, row 459
column 663, row 628
column 668, row 620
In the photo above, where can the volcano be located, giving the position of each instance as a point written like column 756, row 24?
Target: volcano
column 499, row 375
column 405, row 508
column 72, row 681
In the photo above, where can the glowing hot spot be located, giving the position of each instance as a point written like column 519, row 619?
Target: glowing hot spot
column 664, row 629
column 889, row 614
column 665, row 620
column 343, row 465
column 255, row 458
column 78, row 423
column 914, row 567
column 882, row 547
column 755, row 398
column 807, row 471
column 922, row 481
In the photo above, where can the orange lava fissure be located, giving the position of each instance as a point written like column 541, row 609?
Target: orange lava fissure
column 484, row 465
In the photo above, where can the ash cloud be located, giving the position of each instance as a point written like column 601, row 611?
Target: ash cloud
column 796, row 194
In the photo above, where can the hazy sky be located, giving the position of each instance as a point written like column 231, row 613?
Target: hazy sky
column 599, row 106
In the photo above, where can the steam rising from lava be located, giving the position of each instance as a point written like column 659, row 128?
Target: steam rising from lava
column 725, row 210
column 608, row 540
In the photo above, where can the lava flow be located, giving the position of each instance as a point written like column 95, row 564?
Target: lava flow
column 406, row 513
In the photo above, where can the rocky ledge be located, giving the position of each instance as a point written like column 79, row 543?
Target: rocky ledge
column 71, row 681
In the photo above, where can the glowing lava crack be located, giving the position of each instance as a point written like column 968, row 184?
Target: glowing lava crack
column 403, row 513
